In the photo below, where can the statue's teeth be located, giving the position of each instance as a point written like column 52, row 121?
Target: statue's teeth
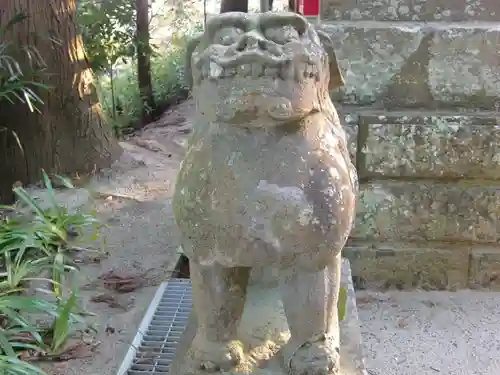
column 315, row 72
column 300, row 69
column 271, row 71
column 309, row 73
column 244, row 70
column 215, row 70
column 286, row 71
column 204, row 71
column 257, row 70
column 229, row 72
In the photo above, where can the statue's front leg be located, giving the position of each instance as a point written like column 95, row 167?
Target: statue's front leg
column 218, row 301
column 310, row 302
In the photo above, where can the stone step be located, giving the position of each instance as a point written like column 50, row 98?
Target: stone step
column 418, row 65
column 430, row 146
column 411, row 10
column 405, row 266
column 428, row 211
column 424, row 266
column 428, row 177
column 435, row 145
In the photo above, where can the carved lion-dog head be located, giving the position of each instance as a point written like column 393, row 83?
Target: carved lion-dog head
column 261, row 69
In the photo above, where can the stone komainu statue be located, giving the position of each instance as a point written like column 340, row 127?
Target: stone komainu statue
column 267, row 180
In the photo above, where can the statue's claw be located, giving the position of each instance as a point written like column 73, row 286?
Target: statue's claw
column 317, row 356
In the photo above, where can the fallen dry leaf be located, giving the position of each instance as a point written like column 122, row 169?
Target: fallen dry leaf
column 112, row 301
column 77, row 351
column 121, row 283
column 149, row 144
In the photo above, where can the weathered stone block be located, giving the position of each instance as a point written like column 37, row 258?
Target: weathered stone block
column 463, row 66
column 417, row 65
column 484, row 269
column 431, row 146
column 405, row 267
column 370, row 54
column 411, row 10
column 428, row 211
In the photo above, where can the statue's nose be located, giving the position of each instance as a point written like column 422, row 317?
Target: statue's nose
column 252, row 41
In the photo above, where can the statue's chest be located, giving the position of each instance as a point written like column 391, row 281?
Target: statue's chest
column 233, row 168
column 246, row 162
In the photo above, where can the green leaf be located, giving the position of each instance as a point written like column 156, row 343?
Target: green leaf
column 50, row 190
column 29, row 201
column 58, row 273
column 62, row 323
column 14, row 366
column 17, row 18
column 66, row 182
column 342, row 303
column 5, row 346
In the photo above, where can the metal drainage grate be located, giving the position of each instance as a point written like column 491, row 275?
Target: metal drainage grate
column 153, row 348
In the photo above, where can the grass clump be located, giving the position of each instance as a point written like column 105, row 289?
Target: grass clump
column 36, row 322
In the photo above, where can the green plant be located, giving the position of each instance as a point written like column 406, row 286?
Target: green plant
column 34, row 241
column 108, row 31
column 53, row 228
column 110, row 36
column 18, row 335
column 45, row 237
column 168, row 85
column 16, row 84
column 10, row 365
column 342, row 303
column 61, row 329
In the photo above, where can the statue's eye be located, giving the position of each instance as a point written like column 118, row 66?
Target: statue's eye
column 227, row 35
column 283, row 34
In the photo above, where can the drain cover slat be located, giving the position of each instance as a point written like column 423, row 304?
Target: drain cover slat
column 153, row 348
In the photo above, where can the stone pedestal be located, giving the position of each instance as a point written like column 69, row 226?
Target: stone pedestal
column 264, row 330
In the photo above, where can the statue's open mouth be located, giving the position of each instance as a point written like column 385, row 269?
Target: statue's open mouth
column 285, row 70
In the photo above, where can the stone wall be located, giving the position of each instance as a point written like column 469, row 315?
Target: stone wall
column 420, row 105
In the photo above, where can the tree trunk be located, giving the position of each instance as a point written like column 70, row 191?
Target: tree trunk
column 234, row 6
column 70, row 135
column 144, row 61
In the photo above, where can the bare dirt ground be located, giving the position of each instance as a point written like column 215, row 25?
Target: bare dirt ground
column 431, row 333
column 140, row 243
column 410, row 333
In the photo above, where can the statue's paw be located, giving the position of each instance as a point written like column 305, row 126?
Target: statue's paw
column 312, row 358
column 211, row 356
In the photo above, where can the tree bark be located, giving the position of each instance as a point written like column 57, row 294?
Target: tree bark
column 70, row 135
column 144, row 61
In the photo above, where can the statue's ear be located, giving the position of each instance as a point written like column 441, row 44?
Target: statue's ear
column 336, row 78
column 191, row 46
